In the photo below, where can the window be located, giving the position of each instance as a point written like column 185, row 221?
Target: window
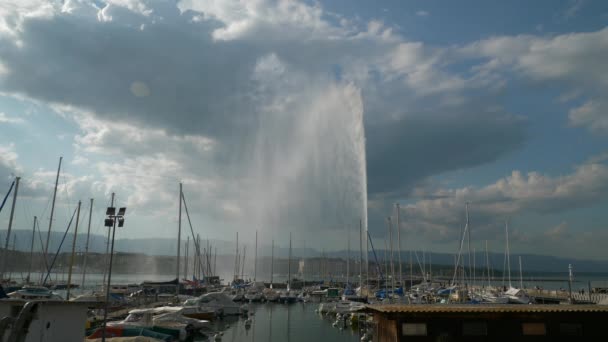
column 474, row 329
column 414, row 329
column 534, row 329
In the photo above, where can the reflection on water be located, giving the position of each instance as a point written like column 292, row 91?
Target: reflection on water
column 280, row 322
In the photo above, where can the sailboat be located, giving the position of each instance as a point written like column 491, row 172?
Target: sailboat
column 270, row 294
column 254, row 293
column 288, row 296
column 490, row 295
column 515, row 295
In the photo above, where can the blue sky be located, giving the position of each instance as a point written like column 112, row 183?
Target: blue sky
column 259, row 107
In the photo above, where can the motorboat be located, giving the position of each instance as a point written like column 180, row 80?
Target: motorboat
column 220, row 303
column 166, row 320
column 28, row 292
column 493, row 297
column 517, row 296
column 340, row 307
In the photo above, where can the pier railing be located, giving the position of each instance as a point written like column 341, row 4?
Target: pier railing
column 561, row 295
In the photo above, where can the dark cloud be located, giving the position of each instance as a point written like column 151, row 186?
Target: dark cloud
column 404, row 152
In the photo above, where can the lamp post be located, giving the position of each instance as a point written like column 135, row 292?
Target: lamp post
column 112, row 218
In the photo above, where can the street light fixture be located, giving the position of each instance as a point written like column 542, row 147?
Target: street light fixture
column 111, row 220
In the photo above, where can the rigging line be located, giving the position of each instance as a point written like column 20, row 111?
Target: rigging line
column 420, row 265
column 46, row 263
column 46, row 207
column 196, row 244
column 59, row 249
column 67, row 194
column 102, row 218
column 457, row 265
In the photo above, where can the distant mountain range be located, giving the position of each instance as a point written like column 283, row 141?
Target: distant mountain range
column 164, row 246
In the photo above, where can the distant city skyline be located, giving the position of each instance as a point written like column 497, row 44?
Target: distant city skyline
column 267, row 111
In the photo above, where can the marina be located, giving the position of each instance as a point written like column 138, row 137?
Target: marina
column 303, row 171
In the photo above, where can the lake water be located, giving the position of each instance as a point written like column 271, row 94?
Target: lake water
column 287, row 323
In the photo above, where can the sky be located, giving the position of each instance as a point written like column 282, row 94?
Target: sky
column 307, row 117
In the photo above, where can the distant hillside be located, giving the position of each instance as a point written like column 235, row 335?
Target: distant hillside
column 168, row 247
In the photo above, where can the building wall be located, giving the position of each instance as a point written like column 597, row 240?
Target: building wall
column 53, row 321
column 502, row 326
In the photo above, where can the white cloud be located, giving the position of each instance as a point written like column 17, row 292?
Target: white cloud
column 422, row 13
column 259, row 19
column 8, row 160
column 10, row 120
column 513, row 196
column 14, row 12
column 592, row 115
column 575, row 57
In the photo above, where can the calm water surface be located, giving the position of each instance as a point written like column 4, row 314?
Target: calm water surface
column 285, row 322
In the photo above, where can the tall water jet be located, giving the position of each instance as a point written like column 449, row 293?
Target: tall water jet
column 307, row 165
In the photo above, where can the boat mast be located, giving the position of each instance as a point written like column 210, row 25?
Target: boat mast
column 347, row 255
column 430, row 266
column 411, row 270
column 29, row 269
column 214, row 261
column 521, row 279
column 468, row 231
column 271, row 263
column 108, row 245
column 236, row 258
column 399, row 244
column 73, row 251
column 243, row 264
column 86, row 246
column 10, row 274
column 289, row 265
column 197, row 258
column 390, row 233
column 255, row 263
column 186, row 255
column 179, row 237
column 10, row 226
column 508, row 252
column 385, row 267
column 488, row 265
column 48, row 234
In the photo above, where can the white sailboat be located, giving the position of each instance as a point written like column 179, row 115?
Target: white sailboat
column 515, row 295
column 270, row 294
column 288, row 296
